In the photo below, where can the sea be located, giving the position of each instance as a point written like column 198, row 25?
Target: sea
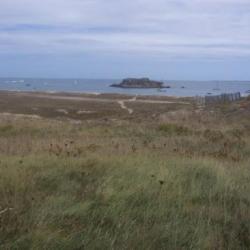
column 177, row 88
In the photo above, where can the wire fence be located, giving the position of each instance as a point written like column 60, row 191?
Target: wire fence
column 216, row 99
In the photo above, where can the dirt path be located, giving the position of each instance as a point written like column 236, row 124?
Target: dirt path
column 83, row 98
column 134, row 99
column 121, row 102
column 123, row 106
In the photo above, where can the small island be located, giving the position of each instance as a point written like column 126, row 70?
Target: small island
column 139, row 83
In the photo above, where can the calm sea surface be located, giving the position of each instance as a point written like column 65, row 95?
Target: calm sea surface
column 178, row 88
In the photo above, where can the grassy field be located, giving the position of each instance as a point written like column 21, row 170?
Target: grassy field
column 166, row 177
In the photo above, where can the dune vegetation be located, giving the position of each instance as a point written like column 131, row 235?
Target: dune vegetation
column 178, row 181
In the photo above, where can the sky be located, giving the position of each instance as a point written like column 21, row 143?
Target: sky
column 162, row 39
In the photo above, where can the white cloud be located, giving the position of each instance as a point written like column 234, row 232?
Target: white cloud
column 213, row 28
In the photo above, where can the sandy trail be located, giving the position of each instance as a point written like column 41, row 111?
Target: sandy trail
column 121, row 102
column 6, row 114
column 134, row 99
column 123, row 106
column 94, row 99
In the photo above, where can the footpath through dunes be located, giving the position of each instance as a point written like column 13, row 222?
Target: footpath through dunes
column 94, row 97
column 62, row 104
column 123, row 106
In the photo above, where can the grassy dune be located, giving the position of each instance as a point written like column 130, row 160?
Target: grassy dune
column 179, row 181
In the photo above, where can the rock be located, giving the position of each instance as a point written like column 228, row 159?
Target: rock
column 140, row 83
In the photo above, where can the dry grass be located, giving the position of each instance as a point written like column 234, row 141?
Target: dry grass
column 176, row 182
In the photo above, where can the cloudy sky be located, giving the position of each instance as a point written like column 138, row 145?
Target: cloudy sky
column 165, row 39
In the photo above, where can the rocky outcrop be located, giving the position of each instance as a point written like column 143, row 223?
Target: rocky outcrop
column 139, row 83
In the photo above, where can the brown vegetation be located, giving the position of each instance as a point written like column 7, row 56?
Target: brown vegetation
column 166, row 177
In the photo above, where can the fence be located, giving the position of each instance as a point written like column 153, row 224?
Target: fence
column 223, row 98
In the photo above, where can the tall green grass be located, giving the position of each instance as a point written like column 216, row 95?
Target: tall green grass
column 131, row 202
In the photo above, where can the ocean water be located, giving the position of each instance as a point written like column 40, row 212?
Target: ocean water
column 177, row 88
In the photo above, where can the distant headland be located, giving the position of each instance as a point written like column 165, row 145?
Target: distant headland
column 139, row 83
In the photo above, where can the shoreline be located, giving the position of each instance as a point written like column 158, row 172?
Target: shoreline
column 117, row 94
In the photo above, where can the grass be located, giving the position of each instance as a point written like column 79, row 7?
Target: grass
column 133, row 202
column 174, row 129
column 125, row 184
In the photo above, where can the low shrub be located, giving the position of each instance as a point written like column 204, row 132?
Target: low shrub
column 174, row 129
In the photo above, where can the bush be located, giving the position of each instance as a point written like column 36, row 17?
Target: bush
column 174, row 129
